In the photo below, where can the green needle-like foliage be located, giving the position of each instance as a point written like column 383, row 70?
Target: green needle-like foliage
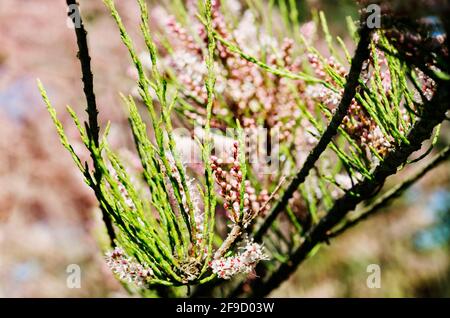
column 339, row 123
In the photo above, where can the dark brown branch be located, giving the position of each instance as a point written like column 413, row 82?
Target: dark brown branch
column 392, row 194
column 434, row 114
column 361, row 55
column 88, row 78
column 91, row 109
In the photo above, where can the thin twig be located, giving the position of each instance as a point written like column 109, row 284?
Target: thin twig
column 392, row 194
column 91, row 109
column 433, row 115
column 361, row 55
column 88, row 78
column 274, row 193
column 232, row 237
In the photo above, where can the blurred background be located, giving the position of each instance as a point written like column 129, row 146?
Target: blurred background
column 48, row 217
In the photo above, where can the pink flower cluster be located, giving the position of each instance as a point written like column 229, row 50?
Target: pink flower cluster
column 428, row 85
column 183, row 36
column 127, row 269
column 242, row 263
column 123, row 191
column 357, row 123
column 230, row 182
column 244, row 87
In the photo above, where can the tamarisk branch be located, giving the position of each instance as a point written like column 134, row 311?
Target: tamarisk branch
column 392, row 194
column 433, row 114
column 361, row 55
column 88, row 88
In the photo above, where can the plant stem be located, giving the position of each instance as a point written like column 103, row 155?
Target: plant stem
column 92, row 111
column 234, row 234
column 393, row 193
column 433, row 115
column 361, row 55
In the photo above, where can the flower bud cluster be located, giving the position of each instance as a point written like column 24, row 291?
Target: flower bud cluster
column 127, row 269
column 242, row 263
column 230, row 183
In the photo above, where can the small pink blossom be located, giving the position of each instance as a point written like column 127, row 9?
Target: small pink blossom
column 242, row 263
column 127, row 269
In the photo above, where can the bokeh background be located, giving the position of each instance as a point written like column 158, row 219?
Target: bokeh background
column 48, row 217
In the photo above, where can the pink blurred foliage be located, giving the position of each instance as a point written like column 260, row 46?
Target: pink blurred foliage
column 46, row 211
